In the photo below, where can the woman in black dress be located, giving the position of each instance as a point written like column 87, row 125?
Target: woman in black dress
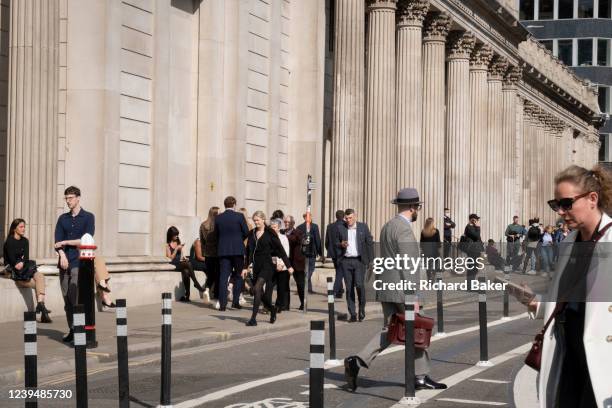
column 23, row 270
column 263, row 244
column 430, row 247
column 174, row 252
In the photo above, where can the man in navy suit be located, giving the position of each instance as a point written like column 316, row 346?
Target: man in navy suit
column 231, row 229
column 355, row 247
column 331, row 237
column 315, row 236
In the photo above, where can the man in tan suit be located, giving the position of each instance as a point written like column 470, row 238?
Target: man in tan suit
column 396, row 238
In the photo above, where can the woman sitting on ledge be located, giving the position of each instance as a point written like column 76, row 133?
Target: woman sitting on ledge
column 22, row 269
column 174, row 252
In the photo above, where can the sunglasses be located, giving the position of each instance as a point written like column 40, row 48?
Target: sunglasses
column 565, row 204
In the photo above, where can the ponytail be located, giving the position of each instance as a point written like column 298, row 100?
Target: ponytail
column 598, row 180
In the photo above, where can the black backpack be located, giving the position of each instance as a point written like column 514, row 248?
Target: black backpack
column 534, row 233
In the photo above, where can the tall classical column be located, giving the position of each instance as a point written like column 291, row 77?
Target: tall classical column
column 31, row 183
column 435, row 30
column 537, row 166
column 411, row 14
column 518, row 154
column 479, row 62
column 529, row 154
column 348, row 138
column 493, row 220
column 509, row 162
column 380, row 114
column 458, row 148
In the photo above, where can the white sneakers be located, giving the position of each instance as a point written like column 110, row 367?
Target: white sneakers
column 206, row 296
column 242, row 300
column 531, row 272
column 217, row 305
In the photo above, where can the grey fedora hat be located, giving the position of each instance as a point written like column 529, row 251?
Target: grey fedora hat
column 407, row 196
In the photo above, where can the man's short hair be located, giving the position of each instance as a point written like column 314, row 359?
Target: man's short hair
column 515, row 217
column 446, row 209
column 72, row 190
column 339, row 214
column 229, row 202
column 290, row 217
column 491, row 241
column 349, row 211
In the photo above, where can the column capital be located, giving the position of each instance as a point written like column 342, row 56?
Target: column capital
column 497, row 68
column 531, row 111
column 460, row 44
column 481, row 56
column 512, row 76
column 436, row 26
column 382, row 5
column 411, row 13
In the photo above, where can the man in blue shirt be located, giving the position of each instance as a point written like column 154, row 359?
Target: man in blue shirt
column 71, row 226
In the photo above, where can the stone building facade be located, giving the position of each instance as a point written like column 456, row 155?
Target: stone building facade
column 159, row 109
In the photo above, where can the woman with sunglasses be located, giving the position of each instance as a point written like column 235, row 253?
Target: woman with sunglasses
column 576, row 354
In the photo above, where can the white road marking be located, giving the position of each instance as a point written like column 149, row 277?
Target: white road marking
column 293, row 374
column 461, row 376
column 486, row 380
column 325, row 387
column 464, row 401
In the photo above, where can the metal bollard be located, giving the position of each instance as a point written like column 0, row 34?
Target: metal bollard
column 123, row 376
column 317, row 363
column 506, row 300
column 332, row 319
column 166, row 350
column 409, row 397
column 80, row 356
column 30, row 358
column 86, row 288
column 482, row 319
column 440, row 307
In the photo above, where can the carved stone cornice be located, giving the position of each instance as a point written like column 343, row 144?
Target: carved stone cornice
column 460, row 44
column 531, row 111
column 497, row 68
column 374, row 5
column 481, row 56
column 436, row 26
column 411, row 13
column 512, row 76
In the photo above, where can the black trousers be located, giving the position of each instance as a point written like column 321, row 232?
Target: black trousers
column 282, row 289
column 187, row 274
column 354, row 278
column 212, row 275
column 298, row 277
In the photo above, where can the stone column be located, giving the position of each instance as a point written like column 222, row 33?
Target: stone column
column 435, row 30
column 348, row 154
column 31, row 183
column 479, row 61
column 493, row 218
column 538, row 166
column 518, row 154
column 529, row 152
column 409, row 89
column 460, row 46
column 509, row 161
column 380, row 115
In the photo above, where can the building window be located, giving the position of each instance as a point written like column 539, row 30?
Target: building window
column 546, row 9
column 526, row 9
column 604, row 99
column 603, row 52
column 604, row 9
column 565, row 51
column 585, row 51
column 566, row 8
column 585, row 8
column 548, row 44
column 603, row 147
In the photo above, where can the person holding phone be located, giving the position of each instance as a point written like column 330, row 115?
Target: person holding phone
column 174, row 252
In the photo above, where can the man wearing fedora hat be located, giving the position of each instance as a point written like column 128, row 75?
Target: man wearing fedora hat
column 396, row 238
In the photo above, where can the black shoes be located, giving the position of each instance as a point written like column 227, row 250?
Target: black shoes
column 273, row 315
column 184, row 299
column 361, row 315
column 236, row 306
column 69, row 338
column 426, row 383
column 251, row 322
column 351, row 370
column 44, row 313
column 301, row 307
column 353, row 319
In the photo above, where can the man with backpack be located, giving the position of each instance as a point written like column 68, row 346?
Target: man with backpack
column 532, row 241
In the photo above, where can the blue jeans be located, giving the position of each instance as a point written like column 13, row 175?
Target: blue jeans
column 530, row 256
column 547, row 257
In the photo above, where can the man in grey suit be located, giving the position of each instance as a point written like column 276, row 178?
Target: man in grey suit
column 396, row 238
column 355, row 251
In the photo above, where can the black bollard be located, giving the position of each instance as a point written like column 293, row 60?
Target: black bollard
column 482, row 319
column 123, row 376
column 440, row 306
column 86, row 293
column 317, row 363
column 506, row 297
column 30, row 359
column 80, row 356
column 409, row 376
column 332, row 318
column 166, row 349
